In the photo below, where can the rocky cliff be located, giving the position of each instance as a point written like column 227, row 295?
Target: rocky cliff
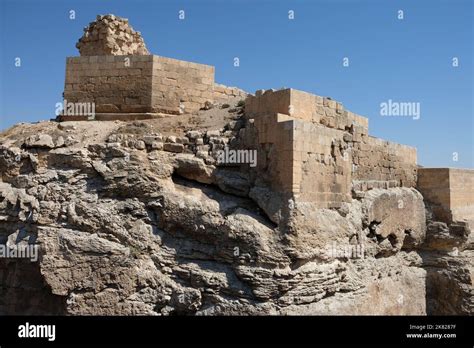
column 141, row 218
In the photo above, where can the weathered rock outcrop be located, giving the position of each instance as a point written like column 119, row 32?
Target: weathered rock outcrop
column 448, row 258
column 277, row 204
column 125, row 227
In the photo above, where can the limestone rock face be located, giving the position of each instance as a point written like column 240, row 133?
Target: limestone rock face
column 449, row 279
column 111, row 35
column 395, row 217
column 40, row 140
column 448, row 258
column 125, row 227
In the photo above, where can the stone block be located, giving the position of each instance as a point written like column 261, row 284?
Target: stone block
column 173, row 147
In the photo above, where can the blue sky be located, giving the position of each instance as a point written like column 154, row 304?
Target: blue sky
column 407, row 60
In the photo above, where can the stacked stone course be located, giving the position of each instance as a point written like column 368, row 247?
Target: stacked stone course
column 117, row 74
column 324, row 154
column 138, row 84
column 222, row 92
column 203, row 144
column 449, row 191
column 311, row 147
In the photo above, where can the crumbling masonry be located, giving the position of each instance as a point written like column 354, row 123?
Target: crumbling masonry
column 144, row 218
column 322, row 152
column 125, row 82
column 314, row 149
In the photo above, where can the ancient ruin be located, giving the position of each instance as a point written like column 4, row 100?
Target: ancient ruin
column 116, row 72
column 110, row 35
column 156, row 204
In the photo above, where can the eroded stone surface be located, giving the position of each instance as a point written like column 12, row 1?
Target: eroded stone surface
column 127, row 229
column 145, row 217
column 111, row 35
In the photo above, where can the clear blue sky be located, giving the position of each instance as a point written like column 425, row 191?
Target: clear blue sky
column 406, row 60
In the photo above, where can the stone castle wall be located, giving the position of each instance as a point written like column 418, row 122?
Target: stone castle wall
column 377, row 161
column 461, row 185
column 138, row 83
column 321, row 152
column 178, row 84
column 118, row 75
column 313, row 149
column 221, row 93
column 450, row 191
column 305, row 106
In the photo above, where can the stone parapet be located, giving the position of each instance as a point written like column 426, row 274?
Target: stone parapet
column 450, row 191
column 305, row 106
